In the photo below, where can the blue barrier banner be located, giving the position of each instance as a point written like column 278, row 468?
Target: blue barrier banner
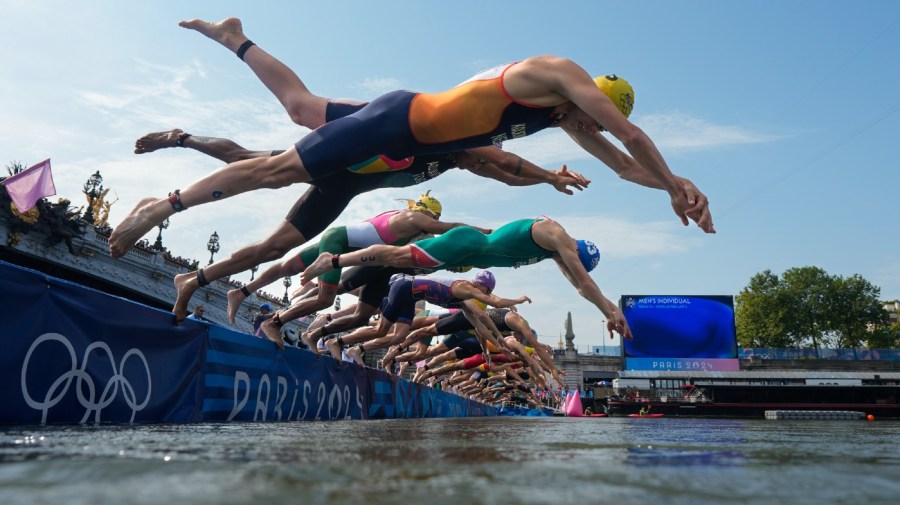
column 848, row 354
column 247, row 380
column 75, row 355
column 393, row 397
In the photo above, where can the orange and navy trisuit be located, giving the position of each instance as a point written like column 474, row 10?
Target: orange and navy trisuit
column 400, row 124
column 327, row 197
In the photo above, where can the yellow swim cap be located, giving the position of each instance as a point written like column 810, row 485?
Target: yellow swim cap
column 618, row 90
column 428, row 203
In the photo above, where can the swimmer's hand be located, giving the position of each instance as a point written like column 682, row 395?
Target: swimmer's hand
column 699, row 210
column 518, row 301
column 563, row 178
column 617, row 323
column 582, row 180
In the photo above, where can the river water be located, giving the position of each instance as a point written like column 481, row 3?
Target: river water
column 456, row 461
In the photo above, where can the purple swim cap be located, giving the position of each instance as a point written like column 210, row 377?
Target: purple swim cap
column 486, row 279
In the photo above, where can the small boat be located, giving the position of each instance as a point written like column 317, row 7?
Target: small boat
column 645, row 415
column 596, row 415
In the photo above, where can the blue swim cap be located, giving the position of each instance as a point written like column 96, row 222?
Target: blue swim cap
column 588, row 254
column 265, row 306
column 486, row 279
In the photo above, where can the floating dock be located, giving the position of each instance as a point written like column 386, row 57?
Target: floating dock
column 832, row 415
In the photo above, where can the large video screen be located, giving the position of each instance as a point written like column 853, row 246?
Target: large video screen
column 680, row 326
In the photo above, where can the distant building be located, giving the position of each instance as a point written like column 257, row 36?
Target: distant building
column 606, row 350
column 893, row 309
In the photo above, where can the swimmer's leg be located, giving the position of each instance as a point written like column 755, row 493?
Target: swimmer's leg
column 304, row 108
column 222, row 149
column 233, row 179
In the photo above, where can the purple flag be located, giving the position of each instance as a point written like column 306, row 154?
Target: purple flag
column 28, row 186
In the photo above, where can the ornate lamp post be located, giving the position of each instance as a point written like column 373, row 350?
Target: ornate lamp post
column 287, row 284
column 253, row 270
column 212, row 246
column 603, row 335
column 93, row 188
column 162, row 226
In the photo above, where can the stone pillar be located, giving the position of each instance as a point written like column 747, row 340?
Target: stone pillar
column 570, row 335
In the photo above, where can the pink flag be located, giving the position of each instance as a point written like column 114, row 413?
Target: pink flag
column 28, row 186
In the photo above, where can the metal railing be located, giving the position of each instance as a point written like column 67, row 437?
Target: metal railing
column 849, row 354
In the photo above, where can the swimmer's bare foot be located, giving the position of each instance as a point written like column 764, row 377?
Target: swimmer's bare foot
column 317, row 268
column 185, row 285
column 158, row 140
column 143, row 217
column 418, row 377
column 235, row 299
column 388, row 361
column 227, row 32
column 311, row 339
column 334, row 347
column 272, row 331
column 356, row 353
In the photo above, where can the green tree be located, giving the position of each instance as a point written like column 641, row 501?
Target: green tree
column 856, row 313
column 806, row 307
column 884, row 337
column 807, row 294
column 760, row 313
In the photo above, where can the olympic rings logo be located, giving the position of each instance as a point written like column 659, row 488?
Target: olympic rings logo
column 92, row 402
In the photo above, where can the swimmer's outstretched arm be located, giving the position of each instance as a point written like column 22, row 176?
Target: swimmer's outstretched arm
column 513, row 170
column 627, row 168
column 589, row 290
column 551, row 236
column 485, row 329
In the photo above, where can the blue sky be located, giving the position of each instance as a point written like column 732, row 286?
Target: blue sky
column 786, row 114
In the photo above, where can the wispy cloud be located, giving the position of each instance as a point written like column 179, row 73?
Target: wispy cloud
column 672, row 133
column 160, row 99
column 161, row 82
column 373, row 87
column 678, row 131
column 620, row 238
column 166, row 100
